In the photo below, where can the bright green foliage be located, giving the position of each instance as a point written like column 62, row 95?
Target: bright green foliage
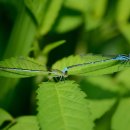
column 68, row 23
column 19, row 44
column 44, row 13
column 62, row 106
column 21, row 67
column 102, row 93
column 100, row 107
column 50, row 16
column 37, row 8
column 95, row 12
column 25, row 123
column 32, row 28
column 4, row 116
column 51, row 46
column 27, row 67
column 104, row 83
column 52, row 10
column 93, row 69
column 124, row 79
column 42, row 56
column 123, row 14
column 121, row 118
column 77, row 5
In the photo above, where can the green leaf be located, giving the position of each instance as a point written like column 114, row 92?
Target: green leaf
column 37, row 8
column 42, row 56
column 102, row 94
column 101, row 87
column 4, row 116
column 67, row 23
column 25, row 123
column 102, row 106
column 52, row 46
column 21, row 67
column 122, row 16
column 124, row 79
column 93, row 69
column 77, row 5
column 50, row 16
column 121, row 118
column 94, row 15
column 62, row 106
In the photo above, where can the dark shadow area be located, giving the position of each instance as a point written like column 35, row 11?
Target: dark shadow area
column 96, row 92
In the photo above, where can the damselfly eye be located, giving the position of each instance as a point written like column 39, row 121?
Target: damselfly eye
column 66, row 72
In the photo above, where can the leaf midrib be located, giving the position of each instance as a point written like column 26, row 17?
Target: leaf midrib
column 61, row 108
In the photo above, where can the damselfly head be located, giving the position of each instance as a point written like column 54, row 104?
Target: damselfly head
column 58, row 73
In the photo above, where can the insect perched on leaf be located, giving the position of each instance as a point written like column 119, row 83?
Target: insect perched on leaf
column 27, row 67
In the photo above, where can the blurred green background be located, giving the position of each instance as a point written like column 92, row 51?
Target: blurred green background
column 27, row 27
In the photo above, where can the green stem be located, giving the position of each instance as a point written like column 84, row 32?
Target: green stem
column 22, row 36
